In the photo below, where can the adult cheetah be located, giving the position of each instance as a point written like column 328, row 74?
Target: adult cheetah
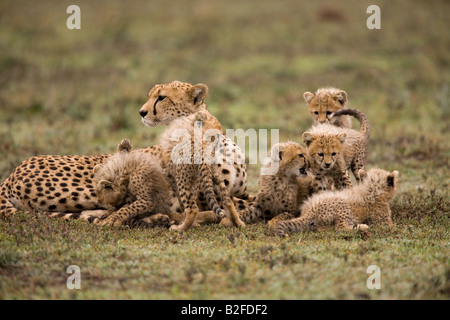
column 61, row 184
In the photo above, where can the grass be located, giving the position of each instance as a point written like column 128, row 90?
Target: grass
column 79, row 92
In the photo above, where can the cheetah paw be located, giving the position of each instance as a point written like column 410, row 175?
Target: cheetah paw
column 176, row 228
column 362, row 227
column 109, row 222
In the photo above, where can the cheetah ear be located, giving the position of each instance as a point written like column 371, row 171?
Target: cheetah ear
column 307, row 138
column 124, row 145
column 392, row 179
column 97, row 168
column 362, row 174
column 201, row 116
column 276, row 153
column 308, row 96
column 105, row 184
column 198, row 94
column 341, row 96
column 342, row 136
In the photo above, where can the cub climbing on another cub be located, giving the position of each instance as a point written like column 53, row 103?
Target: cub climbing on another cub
column 334, row 150
column 348, row 208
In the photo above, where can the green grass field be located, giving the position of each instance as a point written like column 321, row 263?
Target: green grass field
column 79, row 92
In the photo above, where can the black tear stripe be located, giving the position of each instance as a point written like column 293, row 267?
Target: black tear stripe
column 154, row 107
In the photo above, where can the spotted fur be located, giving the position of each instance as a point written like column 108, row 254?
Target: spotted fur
column 191, row 157
column 62, row 185
column 131, row 185
column 324, row 103
column 334, row 150
column 284, row 169
column 348, row 209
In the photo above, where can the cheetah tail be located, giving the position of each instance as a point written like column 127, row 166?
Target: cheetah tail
column 294, row 226
column 7, row 209
column 208, row 189
column 365, row 128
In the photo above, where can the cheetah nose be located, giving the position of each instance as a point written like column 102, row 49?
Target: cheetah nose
column 143, row 113
column 327, row 165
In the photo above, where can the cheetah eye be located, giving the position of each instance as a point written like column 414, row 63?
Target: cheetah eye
column 329, row 113
column 301, row 156
column 320, row 154
column 161, row 98
column 316, row 113
column 333, row 154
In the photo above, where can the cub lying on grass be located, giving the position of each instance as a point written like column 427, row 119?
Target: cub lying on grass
column 348, row 208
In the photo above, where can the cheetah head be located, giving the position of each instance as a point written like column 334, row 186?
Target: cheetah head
column 324, row 103
column 111, row 194
column 173, row 100
column 324, row 149
column 292, row 159
column 109, row 185
column 383, row 183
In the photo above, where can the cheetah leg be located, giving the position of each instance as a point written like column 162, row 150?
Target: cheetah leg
column 384, row 218
column 355, row 167
column 203, row 217
column 206, row 178
column 188, row 198
column 320, row 183
column 91, row 215
column 190, row 215
column 344, row 220
column 128, row 211
column 156, row 220
column 278, row 218
column 230, row 209
column 344, row 181
column 242, row 203
column 250, row 215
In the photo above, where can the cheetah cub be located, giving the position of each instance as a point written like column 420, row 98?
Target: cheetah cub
column 281, row 175
column 324, row 103
column 189, row 145
column 131, row 184
column 348, row 208
column 334, row 150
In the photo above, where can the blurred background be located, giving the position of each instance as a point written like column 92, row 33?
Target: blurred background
column 79, row 91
